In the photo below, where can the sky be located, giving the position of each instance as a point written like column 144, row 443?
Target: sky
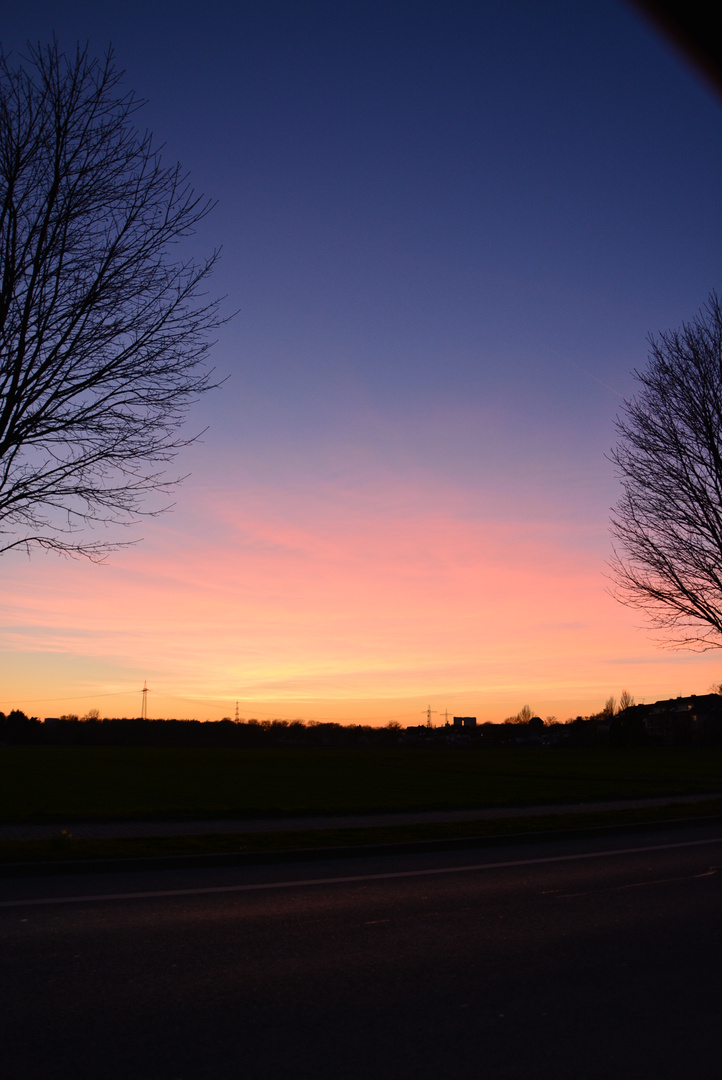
column 447, row 230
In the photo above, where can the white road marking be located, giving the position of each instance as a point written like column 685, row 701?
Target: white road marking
column 636, row 885
column 354, row 878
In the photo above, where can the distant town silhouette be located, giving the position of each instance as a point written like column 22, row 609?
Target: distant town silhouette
column 682, row 721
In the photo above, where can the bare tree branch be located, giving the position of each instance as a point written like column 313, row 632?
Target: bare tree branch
column 668, row 523
column 104, row 332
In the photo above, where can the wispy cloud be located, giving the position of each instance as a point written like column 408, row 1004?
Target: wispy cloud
column 338, row 594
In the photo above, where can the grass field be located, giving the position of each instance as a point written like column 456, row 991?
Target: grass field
column 46, row 784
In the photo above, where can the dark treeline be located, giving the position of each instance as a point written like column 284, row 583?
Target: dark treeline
column 692, row 721
column 17, row 728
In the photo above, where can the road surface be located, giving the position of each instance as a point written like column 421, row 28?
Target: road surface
column 597, row 958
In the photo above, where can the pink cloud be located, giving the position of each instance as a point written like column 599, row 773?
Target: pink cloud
column 340, row 594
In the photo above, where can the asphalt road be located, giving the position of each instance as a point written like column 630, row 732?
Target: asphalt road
column 600, row 958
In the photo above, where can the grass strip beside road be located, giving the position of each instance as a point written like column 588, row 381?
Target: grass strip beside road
column 66, row 849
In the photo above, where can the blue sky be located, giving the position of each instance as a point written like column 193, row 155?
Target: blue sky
column 448, row 229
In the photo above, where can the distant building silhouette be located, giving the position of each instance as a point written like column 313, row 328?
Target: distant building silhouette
column 681, row 721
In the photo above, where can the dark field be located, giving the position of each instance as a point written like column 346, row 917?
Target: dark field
column 76, row 783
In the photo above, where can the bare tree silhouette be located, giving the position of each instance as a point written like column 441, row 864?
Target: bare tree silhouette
column 522, row 717
column 668, row 523
column 104, row 330
column 626, row 701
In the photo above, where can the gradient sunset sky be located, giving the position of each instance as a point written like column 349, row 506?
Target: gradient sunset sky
column 448, row 229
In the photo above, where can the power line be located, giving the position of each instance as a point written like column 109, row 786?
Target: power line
column 201, row 702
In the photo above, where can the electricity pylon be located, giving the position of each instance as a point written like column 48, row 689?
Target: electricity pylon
column 144, row 701
column 427, row 713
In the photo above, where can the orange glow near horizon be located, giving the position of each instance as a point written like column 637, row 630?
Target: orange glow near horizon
column 356, row 606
